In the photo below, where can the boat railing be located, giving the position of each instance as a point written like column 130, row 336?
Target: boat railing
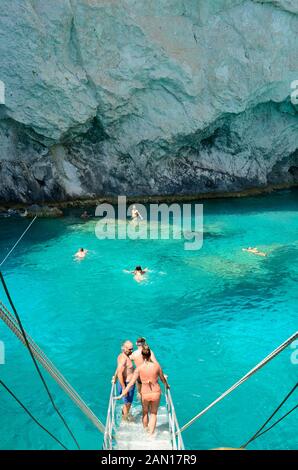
column 176, row 437
column 110, row 422
column 110, row 427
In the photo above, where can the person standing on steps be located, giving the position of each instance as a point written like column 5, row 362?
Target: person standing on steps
column 149, row 373
column 138, row 359
column 124, row 373
column 137, row 356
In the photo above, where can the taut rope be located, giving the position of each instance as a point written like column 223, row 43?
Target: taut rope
column 243, row 379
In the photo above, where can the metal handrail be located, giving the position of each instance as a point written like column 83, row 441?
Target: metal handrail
column 176, row 438
column 110, row 421
column 110, row 428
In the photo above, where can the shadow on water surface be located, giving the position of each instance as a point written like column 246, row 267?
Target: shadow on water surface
column 220, row 308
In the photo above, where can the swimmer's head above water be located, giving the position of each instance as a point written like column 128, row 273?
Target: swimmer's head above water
column 139, row 273
column 140, row 270
column 81, row 253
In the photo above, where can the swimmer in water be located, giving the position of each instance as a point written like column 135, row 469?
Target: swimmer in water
column 254, row 251
column 81, row 253
column 85, row 215
column 135, row 215
column 139, row 273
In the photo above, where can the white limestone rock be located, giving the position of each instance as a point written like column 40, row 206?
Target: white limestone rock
column 146, row 96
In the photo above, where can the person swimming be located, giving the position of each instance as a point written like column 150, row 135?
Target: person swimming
column 81, row 253
column 254, row 251
column 149, row 373
column 85, row 215
column 139, row 270
column 139, row 273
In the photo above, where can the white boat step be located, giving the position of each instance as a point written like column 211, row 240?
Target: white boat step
column 132, row 436
column 143, row 446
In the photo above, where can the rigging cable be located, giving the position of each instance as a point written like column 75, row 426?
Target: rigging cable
column 35, row 362
column 26, row 339
column 18, row 241
column 259, row 433
column 31, row 415
column 255, row 369
column 12, row 324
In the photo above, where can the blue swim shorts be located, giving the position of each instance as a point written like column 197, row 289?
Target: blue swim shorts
column 129, row 396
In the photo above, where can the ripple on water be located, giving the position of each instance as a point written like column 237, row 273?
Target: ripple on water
column 209, row 315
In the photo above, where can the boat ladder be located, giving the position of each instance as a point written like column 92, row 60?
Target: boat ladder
column 120, row 434
column 130, row 435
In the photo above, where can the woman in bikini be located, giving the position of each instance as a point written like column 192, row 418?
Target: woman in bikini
column 149, row 372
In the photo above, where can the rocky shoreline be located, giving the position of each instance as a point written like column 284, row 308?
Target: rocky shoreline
column 55, row 209
column 31, row 211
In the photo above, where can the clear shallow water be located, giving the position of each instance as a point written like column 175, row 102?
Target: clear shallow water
column 209, row 315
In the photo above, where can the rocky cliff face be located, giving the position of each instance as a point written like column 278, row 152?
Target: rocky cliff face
column 144, row 97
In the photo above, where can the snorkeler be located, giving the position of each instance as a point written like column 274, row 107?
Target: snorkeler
column 81, row 253
column 135, row 215
column 254, row 251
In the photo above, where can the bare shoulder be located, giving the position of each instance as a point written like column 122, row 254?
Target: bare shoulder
column 121, row 359
column 133, row 355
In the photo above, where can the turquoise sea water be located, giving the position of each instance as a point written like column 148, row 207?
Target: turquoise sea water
column 209, row 315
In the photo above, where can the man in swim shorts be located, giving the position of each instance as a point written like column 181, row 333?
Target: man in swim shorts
column 125, row 372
